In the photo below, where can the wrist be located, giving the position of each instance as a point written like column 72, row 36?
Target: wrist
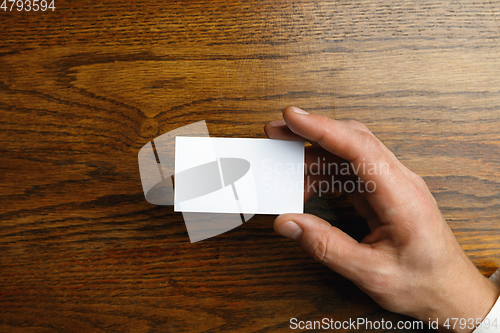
column 464, row 306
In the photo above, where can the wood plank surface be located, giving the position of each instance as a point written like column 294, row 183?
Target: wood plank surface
column 84, row 87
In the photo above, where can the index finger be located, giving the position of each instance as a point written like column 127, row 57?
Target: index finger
column 386, row 184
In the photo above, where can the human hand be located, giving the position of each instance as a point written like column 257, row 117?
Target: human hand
column 410, row 263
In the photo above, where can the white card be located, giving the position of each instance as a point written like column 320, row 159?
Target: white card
column 236, row 175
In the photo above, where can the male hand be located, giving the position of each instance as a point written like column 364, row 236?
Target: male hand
column 410, row 263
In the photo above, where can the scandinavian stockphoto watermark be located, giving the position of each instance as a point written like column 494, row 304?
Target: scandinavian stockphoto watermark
column 323, row 176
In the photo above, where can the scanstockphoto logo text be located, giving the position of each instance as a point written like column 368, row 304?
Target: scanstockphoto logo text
column 322, row 176
column 354, row 324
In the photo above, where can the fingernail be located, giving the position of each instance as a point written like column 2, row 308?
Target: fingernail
column 277, row 123
column 289, row 230
column 297, row 110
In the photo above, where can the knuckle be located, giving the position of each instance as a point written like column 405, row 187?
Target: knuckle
column 319, row 248
column 357, row 125
column 419, row 180
column 424, row 194
column 422, row 199
column 369, row 141
column 363, row 127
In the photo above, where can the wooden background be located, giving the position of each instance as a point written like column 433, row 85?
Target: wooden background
column 83, row 88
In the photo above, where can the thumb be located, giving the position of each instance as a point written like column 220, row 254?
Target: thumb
column 325, row 243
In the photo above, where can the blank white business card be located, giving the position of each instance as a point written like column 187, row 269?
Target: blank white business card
column 237, row 175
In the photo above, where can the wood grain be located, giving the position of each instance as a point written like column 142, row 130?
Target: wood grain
column 83, row 88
